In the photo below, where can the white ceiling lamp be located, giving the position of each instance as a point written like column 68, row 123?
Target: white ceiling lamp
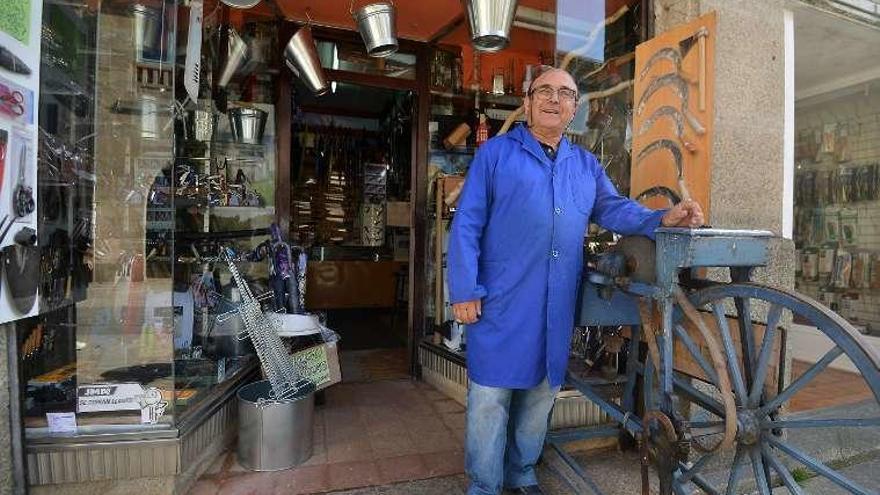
column 490, row 22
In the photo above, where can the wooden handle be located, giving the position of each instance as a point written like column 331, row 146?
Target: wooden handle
column 702, row 43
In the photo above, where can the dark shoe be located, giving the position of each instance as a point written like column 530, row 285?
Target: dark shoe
column 528, row 490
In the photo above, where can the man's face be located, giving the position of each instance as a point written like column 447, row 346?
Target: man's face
column 552, row 102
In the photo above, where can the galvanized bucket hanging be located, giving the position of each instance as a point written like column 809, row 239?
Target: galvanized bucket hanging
column 377, row 25
column 241, row 4
column 490, row 22
column 301, row 56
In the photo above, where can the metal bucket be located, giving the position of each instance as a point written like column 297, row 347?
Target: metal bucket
column 376, row 23
column 273, row 435
column 301, row 56
column 490, row 22
column 199, row 125
column 248, row 124
column 241, row 4
column 235, row 58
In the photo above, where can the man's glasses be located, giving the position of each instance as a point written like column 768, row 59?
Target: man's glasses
column 546, row 92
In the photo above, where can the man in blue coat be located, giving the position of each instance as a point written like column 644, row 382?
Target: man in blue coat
column 514, row 265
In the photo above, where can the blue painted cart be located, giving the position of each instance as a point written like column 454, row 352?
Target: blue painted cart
column 704, row 394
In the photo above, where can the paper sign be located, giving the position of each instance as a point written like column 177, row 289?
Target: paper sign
column 313, row 363
column 319, row 364
column 109, row 397
column 122, row 397
column 61, row 422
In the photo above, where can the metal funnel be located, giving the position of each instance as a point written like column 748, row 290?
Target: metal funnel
column 490, row 22
column 301, row 55
column 235, row 58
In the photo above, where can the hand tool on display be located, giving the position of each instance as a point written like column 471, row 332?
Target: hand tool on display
column 675, row 151
column 661, row 191
column 680, row 86
column 673, row 80
column 667, row 53
column 702, row 34
column 23, row 196
column 22, row 264
column 6, row 229
column 11, row 101
column 193, row 66
column 685, row 46
column 10, row 62
column 4, row 146
column 677, row 118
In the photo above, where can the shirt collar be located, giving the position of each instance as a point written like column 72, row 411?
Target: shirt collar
column 522, row 134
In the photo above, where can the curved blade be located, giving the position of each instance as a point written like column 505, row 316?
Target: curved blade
column 668, row 53
column 672, row 79
column 663, row 144
column 677, row 118
column 665, row 111
column 661, row 191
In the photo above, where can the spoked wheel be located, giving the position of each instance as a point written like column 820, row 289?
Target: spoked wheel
column 774, row 445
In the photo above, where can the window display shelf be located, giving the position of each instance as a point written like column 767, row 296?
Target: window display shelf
column 485, row 98
column 455, row 151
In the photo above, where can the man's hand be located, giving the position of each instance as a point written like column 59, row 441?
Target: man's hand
column 685, row 214
column 467, row 312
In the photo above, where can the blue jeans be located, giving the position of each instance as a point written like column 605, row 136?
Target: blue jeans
column 505, row 435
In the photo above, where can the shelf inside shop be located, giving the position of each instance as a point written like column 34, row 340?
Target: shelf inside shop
column 508, row 100
column 454, row 151
column 230, row 234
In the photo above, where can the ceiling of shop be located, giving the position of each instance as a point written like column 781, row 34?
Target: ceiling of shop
column 416, row 19
column 832, row 53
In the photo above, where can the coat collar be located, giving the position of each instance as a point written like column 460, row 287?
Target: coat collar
column 529, row 143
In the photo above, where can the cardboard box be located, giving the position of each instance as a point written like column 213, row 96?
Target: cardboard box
column 398, row 214
column 321, row 363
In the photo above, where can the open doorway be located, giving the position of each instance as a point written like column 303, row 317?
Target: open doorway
column 350, row 186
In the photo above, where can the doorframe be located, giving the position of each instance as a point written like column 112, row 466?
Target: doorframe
column 418, row 246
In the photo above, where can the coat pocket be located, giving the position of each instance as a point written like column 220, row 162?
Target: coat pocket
column 493, row 276
column 583, row 194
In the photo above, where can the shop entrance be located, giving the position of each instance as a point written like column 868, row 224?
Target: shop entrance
column 350, row 185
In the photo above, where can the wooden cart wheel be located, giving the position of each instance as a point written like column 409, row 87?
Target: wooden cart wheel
column 773, row 447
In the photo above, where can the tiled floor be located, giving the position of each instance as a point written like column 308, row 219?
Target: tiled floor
column 829, row 388
column 366, row 434
column 379, row 433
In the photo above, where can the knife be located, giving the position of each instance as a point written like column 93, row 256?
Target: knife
column 10, row 62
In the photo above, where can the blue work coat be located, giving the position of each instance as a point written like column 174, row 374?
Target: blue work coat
column 517, row 243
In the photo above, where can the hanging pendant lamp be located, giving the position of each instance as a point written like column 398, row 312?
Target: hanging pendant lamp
column 490, row 22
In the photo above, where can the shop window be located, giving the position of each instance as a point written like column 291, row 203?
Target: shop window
column 141, row 189
column 837, row 163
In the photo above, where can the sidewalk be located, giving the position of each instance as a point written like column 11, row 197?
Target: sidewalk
column 405, row 437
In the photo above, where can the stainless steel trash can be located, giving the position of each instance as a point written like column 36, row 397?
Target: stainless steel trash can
column 273, row 435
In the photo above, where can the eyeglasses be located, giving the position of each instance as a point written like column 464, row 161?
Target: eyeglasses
column 546, row 92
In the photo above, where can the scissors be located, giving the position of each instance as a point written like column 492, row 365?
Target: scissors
column 11, row 102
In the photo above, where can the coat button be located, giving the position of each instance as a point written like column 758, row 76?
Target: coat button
column 554, row 254
column 558, row 210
